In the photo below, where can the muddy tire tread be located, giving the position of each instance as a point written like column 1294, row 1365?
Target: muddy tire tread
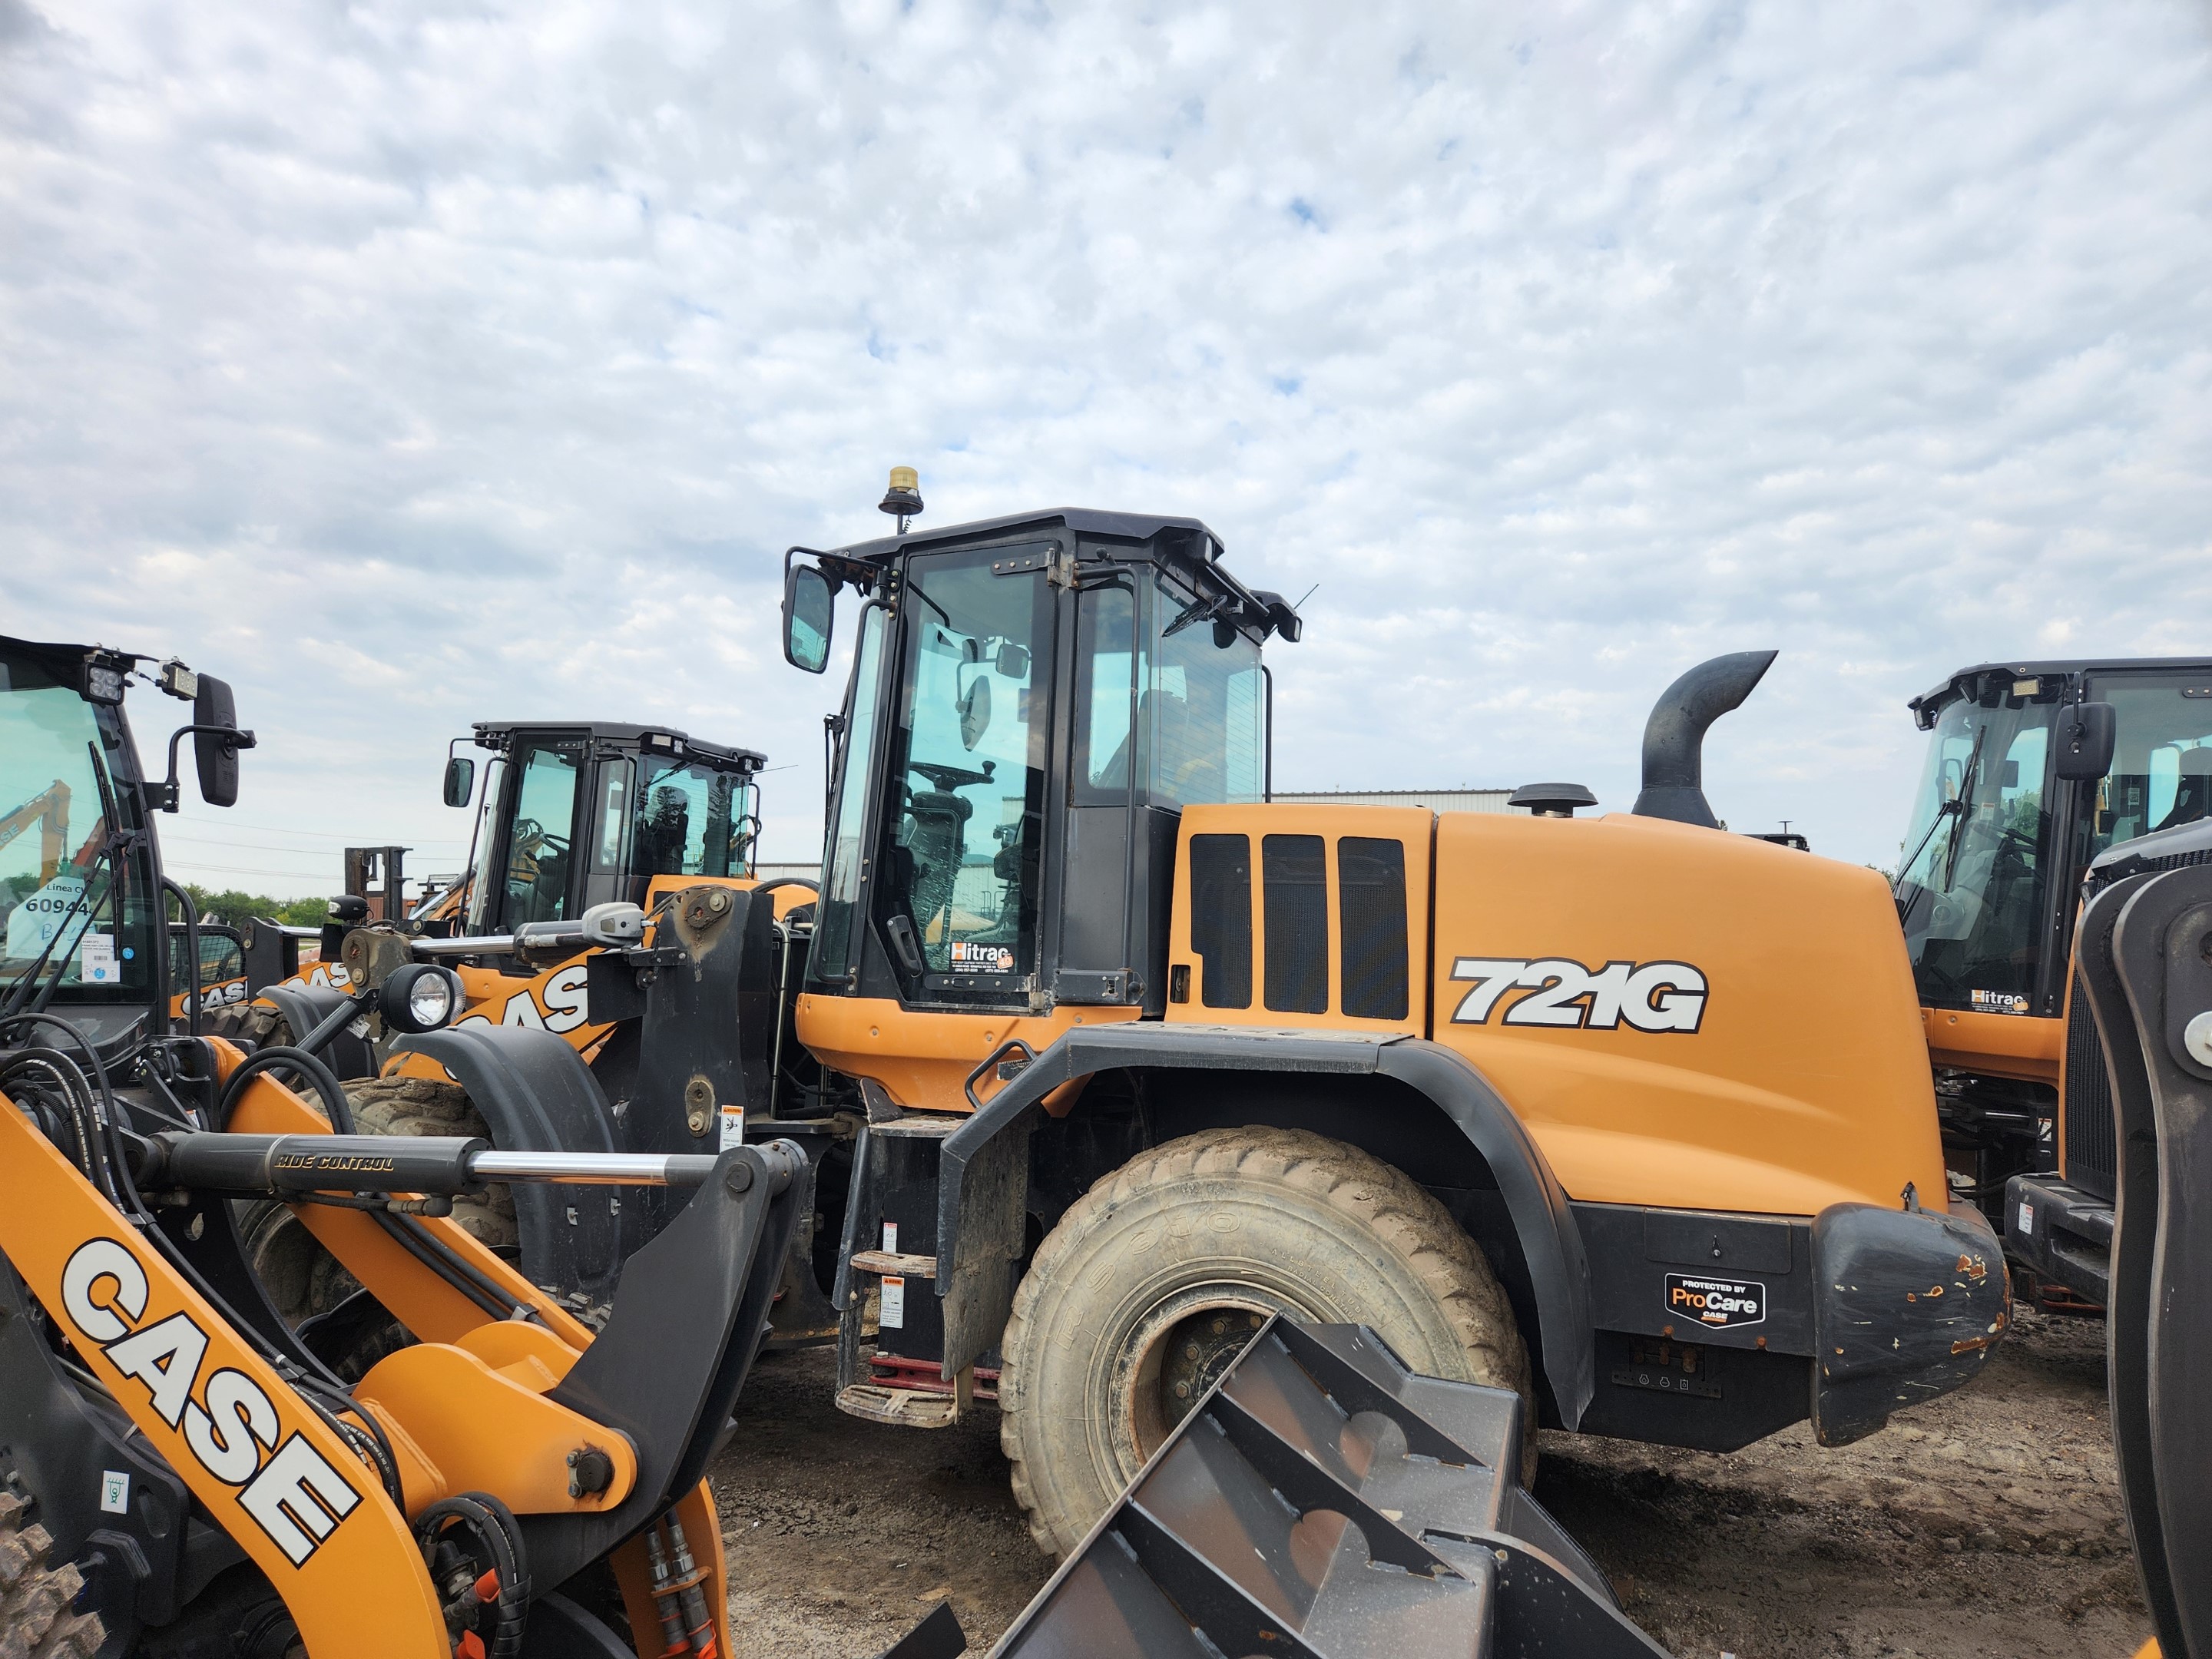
column 426, row 1106
column 35, row 1620
column 1383, row 1200
column 258, row 1023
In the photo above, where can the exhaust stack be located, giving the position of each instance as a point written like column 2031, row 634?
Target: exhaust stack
column 1674, row 735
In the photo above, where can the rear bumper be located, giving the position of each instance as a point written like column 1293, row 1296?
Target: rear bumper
column 1907, row 1304
column 2060, row 1233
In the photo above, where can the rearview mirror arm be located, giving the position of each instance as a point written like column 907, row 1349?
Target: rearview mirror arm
column 165, row 796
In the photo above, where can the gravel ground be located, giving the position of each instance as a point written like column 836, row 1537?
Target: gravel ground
column 1985, row 1525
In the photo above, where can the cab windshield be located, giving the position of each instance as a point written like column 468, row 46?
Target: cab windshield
column 2161, row 773
column 77, row 920
column 1971, row 893
column 690, row 820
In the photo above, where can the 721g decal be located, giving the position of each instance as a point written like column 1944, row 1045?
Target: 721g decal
column 1653, row 996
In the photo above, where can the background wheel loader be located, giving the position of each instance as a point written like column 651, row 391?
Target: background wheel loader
column 1629, row 1116
column 2037, row 773
column 571, row 816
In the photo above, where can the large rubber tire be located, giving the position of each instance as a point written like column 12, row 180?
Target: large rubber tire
column 421, row 1106
column 302, row 1278
column 35, row 1620
column 258, row 1023
column 1153, row 1281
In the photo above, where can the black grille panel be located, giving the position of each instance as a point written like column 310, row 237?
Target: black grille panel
column 1370, row 912
column 1294, row 878
column 2085, row 1104
column 1221, row 918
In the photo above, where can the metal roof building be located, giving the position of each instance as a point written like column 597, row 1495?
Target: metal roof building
column 1436, row 800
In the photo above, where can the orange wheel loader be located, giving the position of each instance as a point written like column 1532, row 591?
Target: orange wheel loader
column 184, row 1471
column 1624, row 1113
column 2039, row 776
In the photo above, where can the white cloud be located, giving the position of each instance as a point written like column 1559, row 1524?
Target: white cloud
column 412, row 365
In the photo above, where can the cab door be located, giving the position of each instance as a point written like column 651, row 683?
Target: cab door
column 957, row 887
column 537, row 873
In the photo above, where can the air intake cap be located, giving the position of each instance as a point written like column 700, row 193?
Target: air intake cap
column 1552, row 800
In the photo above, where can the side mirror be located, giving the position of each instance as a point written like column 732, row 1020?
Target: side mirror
column 215, row 754
column 809, row 612
column 1013, row 661
column 975, row 713
column 2086, row 733
column 460, row 779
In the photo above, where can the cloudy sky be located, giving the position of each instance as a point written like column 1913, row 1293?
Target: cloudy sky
column 413, row 364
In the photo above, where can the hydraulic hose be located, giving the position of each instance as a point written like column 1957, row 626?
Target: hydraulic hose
column 316, row 1071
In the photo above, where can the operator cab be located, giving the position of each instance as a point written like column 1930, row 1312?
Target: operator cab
column 83, row 930
column 2034, row 770
column 573, row 816
column 1033, row 701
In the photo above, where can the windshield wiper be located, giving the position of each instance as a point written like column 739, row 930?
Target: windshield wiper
column 1960, row 806
column 1953, row 808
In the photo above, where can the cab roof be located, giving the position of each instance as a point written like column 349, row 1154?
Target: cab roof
column 499, row 735
column 1186, row 546
column 1971, row 683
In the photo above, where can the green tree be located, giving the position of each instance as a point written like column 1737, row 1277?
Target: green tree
column 234, row 906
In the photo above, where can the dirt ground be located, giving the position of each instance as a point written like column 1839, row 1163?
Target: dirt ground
column 1985, row 1525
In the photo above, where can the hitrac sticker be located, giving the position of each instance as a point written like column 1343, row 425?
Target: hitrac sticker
column 1722, row 1303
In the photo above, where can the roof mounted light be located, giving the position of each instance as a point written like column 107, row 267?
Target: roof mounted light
column 903, row 501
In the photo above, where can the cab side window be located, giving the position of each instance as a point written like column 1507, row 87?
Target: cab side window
column 541, row 841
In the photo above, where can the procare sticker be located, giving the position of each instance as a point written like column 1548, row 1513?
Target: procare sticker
column 1720, row 1304
column 2026, row 1218
column 891, row 1238
column 733, row 1128
column 115, row 1491
column 893, row 1316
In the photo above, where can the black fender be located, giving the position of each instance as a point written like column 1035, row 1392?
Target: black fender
column 2149, row 969
column 536, row 1094
column 306, row 1006
column 984, row 1171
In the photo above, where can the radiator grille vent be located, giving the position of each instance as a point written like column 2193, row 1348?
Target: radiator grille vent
column 1295, row 873
column 2086, row 1106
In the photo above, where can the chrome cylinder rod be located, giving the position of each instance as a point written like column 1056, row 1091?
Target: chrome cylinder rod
column 595, row 1169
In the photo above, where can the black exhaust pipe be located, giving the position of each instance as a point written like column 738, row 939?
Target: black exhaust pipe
column 1674, row 735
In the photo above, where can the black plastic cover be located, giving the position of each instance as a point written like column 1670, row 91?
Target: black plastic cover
column 2160, row 1315
column 1907, row 1304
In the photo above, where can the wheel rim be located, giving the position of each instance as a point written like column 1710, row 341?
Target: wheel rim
column 1177, row 1350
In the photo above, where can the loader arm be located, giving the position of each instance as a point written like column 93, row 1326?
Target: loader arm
column 49, row 810
column 591, row 1448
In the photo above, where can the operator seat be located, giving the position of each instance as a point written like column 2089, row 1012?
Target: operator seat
column 2194, row 796
column 936, row 841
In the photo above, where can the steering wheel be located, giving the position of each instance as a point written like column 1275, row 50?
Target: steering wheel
column 949, row 778
column 530, row 837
